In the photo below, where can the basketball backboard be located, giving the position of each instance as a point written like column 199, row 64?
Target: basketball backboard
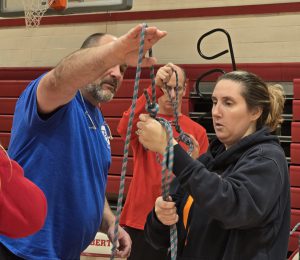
column 14, row 8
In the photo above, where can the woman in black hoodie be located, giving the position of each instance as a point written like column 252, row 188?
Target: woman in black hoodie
column 234, row 201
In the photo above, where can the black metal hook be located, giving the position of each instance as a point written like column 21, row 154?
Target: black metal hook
column 220, row 53
column 197, row 84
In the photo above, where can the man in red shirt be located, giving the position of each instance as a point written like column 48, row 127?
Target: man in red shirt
column 145, row 185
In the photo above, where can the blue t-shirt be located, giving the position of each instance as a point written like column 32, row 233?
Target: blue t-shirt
column 69, row 161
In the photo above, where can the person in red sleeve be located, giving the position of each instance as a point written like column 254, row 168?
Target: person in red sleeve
column 145, row 185
column 23, row 206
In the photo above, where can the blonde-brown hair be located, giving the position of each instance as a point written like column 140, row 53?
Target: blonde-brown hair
column 270, row 98
column 277, row 99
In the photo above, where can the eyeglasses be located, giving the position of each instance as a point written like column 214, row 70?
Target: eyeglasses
column 169, row 88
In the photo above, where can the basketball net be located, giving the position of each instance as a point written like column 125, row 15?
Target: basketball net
column 34, row 11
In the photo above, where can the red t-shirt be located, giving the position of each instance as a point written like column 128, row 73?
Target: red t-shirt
column 23, row 206
column 145, row 185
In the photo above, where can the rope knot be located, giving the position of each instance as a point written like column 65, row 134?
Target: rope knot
column 167, row 163
column 152, row 109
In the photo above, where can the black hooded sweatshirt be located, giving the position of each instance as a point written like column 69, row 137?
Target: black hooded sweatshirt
column 241, row 202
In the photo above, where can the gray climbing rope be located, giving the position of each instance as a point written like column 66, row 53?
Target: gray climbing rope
column 127, row 141
column 168, row 158
column 167, row 162
column 183, row 137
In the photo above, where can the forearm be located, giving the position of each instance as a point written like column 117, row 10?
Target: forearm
column 108, row 218
column 77, row 70
column 85, row 65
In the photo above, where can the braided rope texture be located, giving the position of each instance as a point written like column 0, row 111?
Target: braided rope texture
column 167, row 166
column 185, row 138
column 168, row 157
column 127, row 141
column 167, row 162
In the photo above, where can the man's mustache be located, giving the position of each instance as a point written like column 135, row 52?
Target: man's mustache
column 113, row 82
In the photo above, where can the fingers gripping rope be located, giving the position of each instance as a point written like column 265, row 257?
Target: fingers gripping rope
column 127, row 141
column 167, row 162
column 185, row 138
column 167, row 166
column 168, row 156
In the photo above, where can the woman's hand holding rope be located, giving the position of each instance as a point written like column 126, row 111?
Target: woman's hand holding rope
column 166, row 211
column 152, row 135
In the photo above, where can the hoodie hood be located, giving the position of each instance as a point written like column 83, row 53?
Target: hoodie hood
column 217, row 156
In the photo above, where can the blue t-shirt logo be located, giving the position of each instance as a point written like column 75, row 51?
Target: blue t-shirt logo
column 106, row 133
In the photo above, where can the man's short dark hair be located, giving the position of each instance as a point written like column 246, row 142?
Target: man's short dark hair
column 92, row 40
